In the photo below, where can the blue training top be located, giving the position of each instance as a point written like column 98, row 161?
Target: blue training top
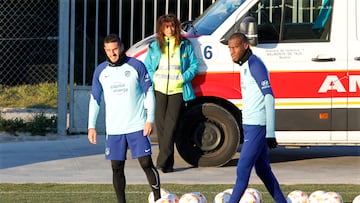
column 257, row 95
column 128, row 95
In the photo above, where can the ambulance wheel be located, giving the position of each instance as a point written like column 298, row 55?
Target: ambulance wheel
column 207, row 135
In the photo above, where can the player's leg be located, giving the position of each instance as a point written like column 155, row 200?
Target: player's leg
column 152, row 175
column 119, row 181
column 140, row 147
column 263, row 170
column 248, row 156
column 116, row 147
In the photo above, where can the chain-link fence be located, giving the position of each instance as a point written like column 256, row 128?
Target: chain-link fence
column 28, row 50
column 28, row 41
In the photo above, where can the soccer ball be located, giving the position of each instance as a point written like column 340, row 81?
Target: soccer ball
column 169, row 198
column 229, row 191
column 189, row 198
column 163, row 193
column 222, row 197
column 193, row 197
column 201, row 197
column 356, row 199
column 247, row 197
column 256, row 193
column 332, row 197
column 297, row 196
column 317, row 196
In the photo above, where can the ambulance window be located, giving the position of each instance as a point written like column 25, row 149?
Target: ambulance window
column 214, row 16
column 291, row 20
column 306, row 20
column 268, row 15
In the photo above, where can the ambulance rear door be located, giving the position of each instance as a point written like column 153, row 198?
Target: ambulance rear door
column 354, row 71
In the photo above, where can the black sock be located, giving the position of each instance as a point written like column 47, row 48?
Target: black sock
column 151, row 174
column 119, row 180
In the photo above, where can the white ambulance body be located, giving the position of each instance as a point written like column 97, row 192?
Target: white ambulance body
column 312, row 51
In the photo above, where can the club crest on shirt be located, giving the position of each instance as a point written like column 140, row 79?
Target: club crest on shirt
column 127, row 73
column 265, row 84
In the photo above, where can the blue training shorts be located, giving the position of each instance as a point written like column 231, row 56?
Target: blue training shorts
column 116, row 146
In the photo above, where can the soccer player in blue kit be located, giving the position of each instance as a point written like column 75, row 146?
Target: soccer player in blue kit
column 258, row 120
column 130, row 109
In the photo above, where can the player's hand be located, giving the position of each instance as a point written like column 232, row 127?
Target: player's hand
column 271, row 142
column 92, row 135
column 148, row 128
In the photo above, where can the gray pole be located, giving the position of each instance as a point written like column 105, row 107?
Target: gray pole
column 63, row 66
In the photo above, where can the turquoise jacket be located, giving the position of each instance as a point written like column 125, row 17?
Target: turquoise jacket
column 188, row 65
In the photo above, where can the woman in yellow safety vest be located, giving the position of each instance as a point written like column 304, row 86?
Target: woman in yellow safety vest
column 172, row 64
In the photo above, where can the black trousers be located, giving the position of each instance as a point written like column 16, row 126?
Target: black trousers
column 166, row 116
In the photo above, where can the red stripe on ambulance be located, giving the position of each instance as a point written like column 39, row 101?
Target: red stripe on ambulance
column 285, row 84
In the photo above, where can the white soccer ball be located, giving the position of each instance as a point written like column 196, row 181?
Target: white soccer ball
column 163, row 193
column 317, row 196
column 333, row 197
column 201, row 197
column 248, row 198
column 297, row 196
column 229, row 191
column 256, row 193
column 190, row 198
column 169, row 198
column 222, row 197
column 356, row 199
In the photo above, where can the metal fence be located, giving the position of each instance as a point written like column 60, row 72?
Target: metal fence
column 133, row 20
column 60, row 41
column 28, row 42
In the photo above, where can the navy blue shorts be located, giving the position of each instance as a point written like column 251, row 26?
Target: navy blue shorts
column 116, row 146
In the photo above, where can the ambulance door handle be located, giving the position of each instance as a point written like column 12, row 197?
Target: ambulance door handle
column 357, row 58
column 322, row 59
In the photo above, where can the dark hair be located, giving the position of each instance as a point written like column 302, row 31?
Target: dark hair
column 112, row 38
column 161, row 23
column 241, row 36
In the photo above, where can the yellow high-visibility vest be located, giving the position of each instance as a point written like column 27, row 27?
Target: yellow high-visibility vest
column 168, row 78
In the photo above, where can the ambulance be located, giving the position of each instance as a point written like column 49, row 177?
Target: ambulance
column 312, row 51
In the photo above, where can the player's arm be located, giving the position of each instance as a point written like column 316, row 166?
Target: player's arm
column 270, row 115
column 92, row 135
column 94, row 107
column 270, row 121
column 148, row 128
column 149, row 104
column 93, row 114
column 149, row 101
column 261, row 76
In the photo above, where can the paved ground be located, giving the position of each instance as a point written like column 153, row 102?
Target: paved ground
column 73, row 159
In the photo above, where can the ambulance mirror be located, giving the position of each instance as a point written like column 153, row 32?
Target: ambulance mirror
column 248, row 26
